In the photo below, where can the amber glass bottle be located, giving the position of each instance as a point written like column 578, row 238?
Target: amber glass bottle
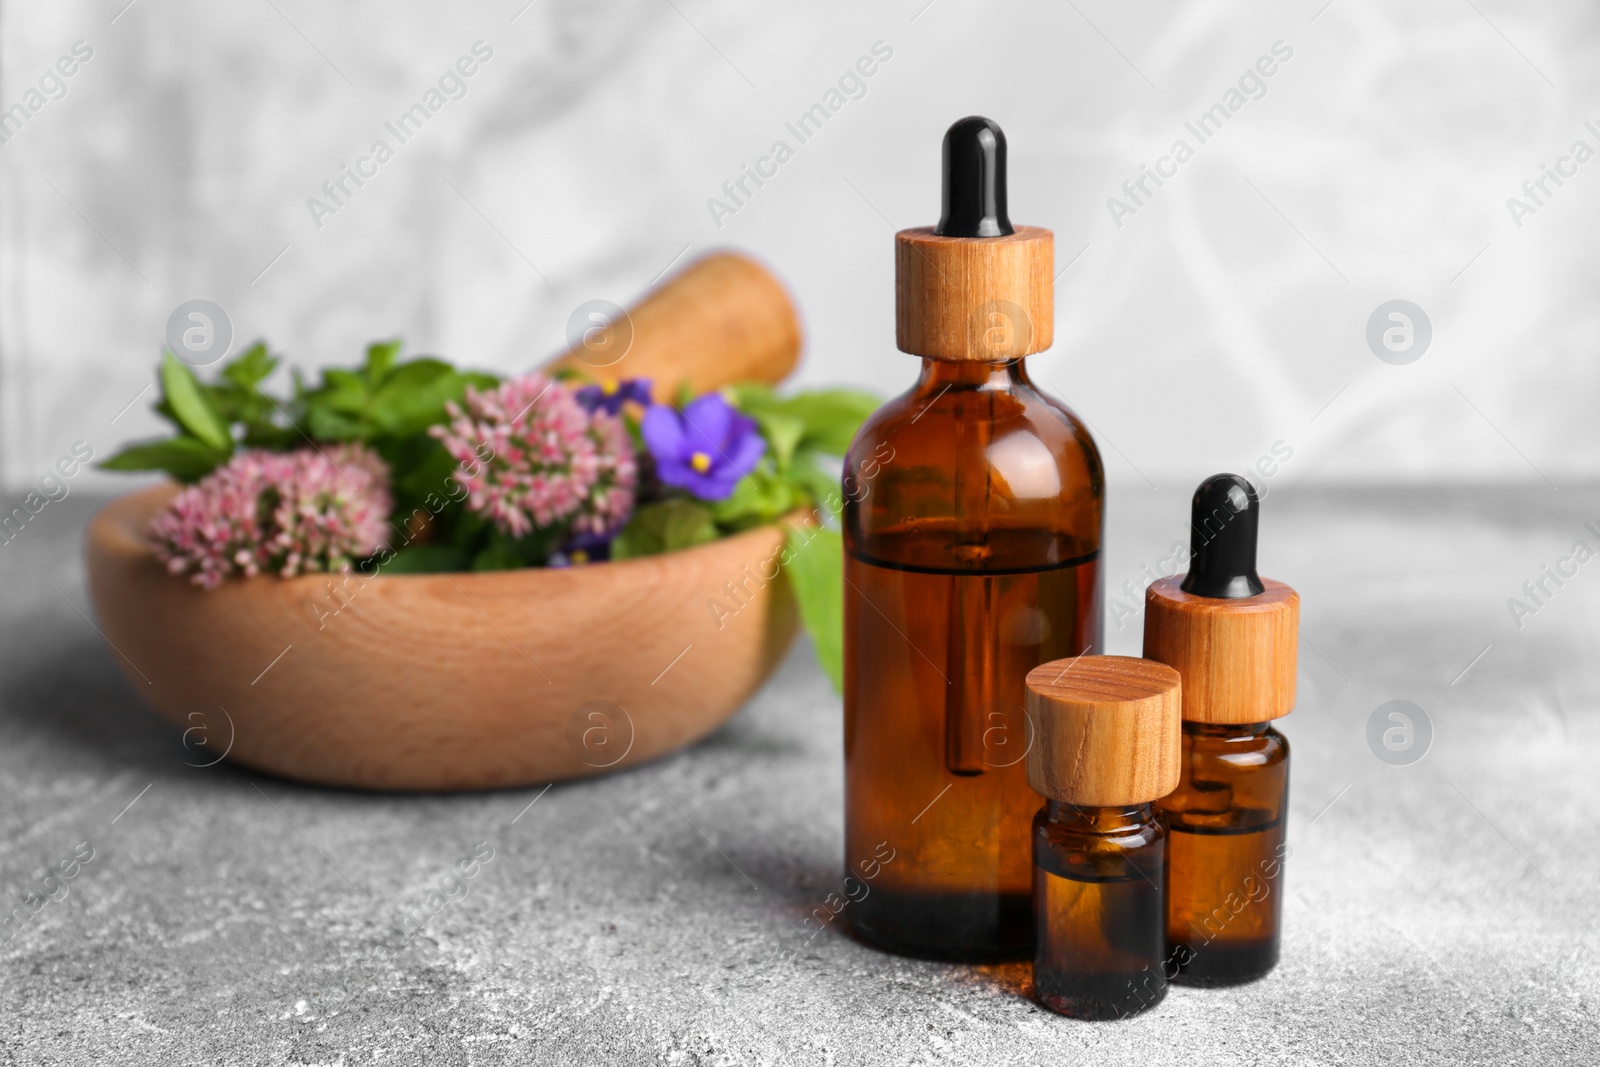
column 972, row 533
column 1098, row 887
column 1231, row 635
column 1226, row 853
column 1105, row 746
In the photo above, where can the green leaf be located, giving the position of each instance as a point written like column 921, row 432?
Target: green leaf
column 815, row 567
column 423, row 473
column 238, row 398
column 471, row 532
column 251, row 367
column 752, row 396
column 759, row 497
column 822, row 487
column 191, row 406
column 272, row 437
column 426, row 559
column 185, row 458
column 783, row 433
column 413, row 396
column 333, row 410
column 343, row 391
column 504, row 552
column 501, row 555
column 664, row 527
column 237, row 404
column 831, row 416
column 380, row 358
column 327, row 424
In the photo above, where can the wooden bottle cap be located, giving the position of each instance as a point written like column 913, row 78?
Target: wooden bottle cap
column 974, row 287
column 974, row 298
column 1106, row 730
column 1236, row 656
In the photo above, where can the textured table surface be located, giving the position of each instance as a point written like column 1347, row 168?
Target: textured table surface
column 1439, row 912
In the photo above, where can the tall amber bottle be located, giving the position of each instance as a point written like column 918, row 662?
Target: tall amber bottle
column 1231, row 635
column 972, row 536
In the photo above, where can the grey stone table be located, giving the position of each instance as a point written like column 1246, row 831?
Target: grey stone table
column 1438, row 912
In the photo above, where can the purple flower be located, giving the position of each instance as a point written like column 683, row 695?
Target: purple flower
column 610, row 396
column 584, row 548
column 706, row 448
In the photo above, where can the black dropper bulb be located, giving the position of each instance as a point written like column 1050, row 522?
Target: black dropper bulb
column 974, row 180
column 1222, row 539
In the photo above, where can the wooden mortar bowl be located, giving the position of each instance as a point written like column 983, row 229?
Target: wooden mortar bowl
column 444, row 681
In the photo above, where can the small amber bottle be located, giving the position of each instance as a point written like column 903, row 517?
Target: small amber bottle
column 1232, row 636
column 1104, row 746
column 972, row 523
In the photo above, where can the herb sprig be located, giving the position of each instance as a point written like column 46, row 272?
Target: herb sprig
column 395, row 408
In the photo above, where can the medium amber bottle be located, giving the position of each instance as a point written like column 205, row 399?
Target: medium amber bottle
column 1105, row 746
column 972, row 536
column 1232, row 636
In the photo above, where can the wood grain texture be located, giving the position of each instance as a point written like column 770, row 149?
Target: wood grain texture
column 445, row 681
column 723, row 318
column 974, row 298
column 1106, row 730
column 1237, row 657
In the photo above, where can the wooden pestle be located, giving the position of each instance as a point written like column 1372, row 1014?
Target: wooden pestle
column 723, row 318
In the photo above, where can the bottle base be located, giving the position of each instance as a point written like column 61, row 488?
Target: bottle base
column 947, row 927
column 1104, row 999
column 1220, row 964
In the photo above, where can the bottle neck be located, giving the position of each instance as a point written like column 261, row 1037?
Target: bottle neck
column 1226, row 731
column 942, row 375
column 1094, row 820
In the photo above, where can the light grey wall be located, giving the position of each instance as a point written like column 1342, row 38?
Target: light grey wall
column 1225, row 314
